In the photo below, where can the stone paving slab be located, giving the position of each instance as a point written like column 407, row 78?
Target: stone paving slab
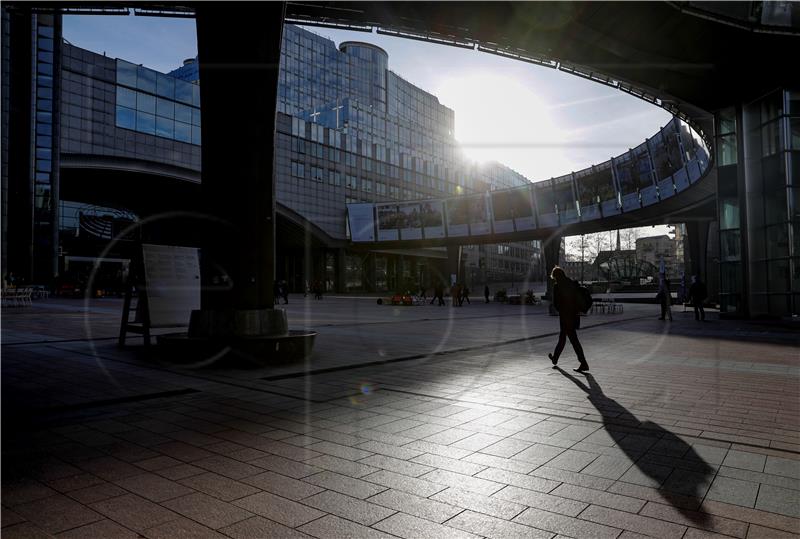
column 680, row 430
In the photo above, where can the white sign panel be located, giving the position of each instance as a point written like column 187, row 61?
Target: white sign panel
column 362, row 222
column 172, row 278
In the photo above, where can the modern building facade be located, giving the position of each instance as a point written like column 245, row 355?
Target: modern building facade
column 48, row 151
column 758, row 171
column 348, row 130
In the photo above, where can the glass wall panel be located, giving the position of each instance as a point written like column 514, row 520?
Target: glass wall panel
column 126, row 97
column 595, row 185
column 165, row 86
column 137, row 109
column 146, row 123
column 146, row 79
column 126, row 73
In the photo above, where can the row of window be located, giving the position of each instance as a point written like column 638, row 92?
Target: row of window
column 153, row 82
column 157, row 104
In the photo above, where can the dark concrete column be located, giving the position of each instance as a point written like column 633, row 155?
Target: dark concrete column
column 368, row 272
column 239, row 55
column 551, row 247
column 239, row 48
column 17, row 173
column 341, row 271
column 697, row 235
column 453, row 263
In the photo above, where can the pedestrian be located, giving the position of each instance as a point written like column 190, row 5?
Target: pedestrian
column 698, row 293
column 422, row 290
column 486, row 293
column 317, row 289
column 465, row 294
column 455, row 295
column 566, row 301
column 285, row 291
column 665, row 297
column 439, row 294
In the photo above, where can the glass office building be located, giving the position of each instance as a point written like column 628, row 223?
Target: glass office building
column 350, row 130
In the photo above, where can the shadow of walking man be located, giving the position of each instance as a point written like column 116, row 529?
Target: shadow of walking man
column 662, row 460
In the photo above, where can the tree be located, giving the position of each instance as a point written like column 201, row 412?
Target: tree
column 587, row 246
column 628, row 237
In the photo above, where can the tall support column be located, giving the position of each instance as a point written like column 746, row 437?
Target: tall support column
column 341, row 271
column 697, row 234
column 453, row 263
column 239, row 55
column 17, row 172
column 368, row 272
column 552, row 250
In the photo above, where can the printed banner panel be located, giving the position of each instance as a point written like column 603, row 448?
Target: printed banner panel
column 522, row 208
column 362, row 222
column 502, row 212
column 388, row 228
column 433, row 218
column 478, row 215
column 410, row 221
column 457, row 216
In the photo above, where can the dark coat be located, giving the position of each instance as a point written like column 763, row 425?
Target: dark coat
column 565, row 298
column 698, row 292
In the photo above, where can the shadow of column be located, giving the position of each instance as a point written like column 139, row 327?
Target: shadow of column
column 652, row 449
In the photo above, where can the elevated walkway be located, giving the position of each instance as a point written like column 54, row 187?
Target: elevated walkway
column 667, row 178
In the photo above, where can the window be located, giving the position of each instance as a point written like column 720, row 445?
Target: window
column 146, row 123
column 183, row 132
column 126, row 118
column 152, row 108
column 126, row 98
column 165, row 86
column 165, row 127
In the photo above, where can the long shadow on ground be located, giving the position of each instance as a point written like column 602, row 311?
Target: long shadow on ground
column 668, row 462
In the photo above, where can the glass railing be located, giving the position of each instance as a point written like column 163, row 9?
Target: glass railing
column 659, row 168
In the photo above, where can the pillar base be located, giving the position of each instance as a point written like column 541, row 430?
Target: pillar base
column 255, row 337
column 238, row 323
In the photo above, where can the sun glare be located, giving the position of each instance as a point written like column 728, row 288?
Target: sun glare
column 499, row 119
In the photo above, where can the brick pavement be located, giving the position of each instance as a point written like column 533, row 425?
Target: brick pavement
column 681, row 430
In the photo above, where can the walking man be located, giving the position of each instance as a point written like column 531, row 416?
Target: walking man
column 566, row 301
column 486, row 293
column 665, row 297
column 698, row 292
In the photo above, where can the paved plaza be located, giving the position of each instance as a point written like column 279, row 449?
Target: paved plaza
column 412, row 422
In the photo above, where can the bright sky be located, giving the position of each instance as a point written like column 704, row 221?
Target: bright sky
column 538, row 121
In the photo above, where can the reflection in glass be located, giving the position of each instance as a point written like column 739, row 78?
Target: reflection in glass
column 545, row 200
column 165, row 127
column 595, row 185
column 146, row 123
column 126, row 73
column 126, row 118
column 165, row 86
column 146, row 79
column 126, row 97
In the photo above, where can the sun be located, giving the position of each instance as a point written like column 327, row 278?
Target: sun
column 497, row 118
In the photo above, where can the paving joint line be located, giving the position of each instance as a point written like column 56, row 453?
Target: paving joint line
column 353, row 366
column 588, row 420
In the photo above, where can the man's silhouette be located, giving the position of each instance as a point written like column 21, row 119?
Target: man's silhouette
column 565, row 300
